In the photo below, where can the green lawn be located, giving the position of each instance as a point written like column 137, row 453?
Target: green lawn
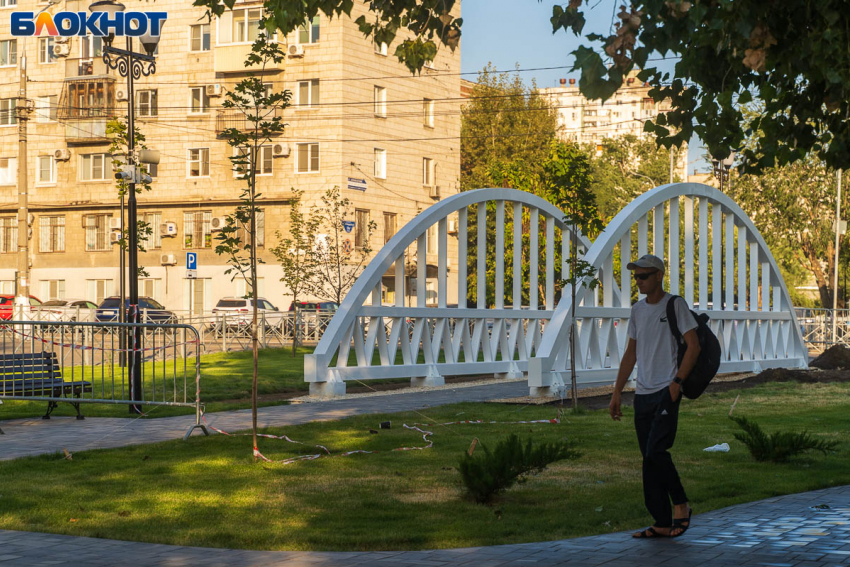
column 208, row 492
column 225, row 384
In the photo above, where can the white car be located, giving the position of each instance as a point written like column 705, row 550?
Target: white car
column 71, row 309
column 238, row 311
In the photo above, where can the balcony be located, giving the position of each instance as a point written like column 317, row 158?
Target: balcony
column 235, row 119
column 91, row 131
column 87, row 69
column 231, row 59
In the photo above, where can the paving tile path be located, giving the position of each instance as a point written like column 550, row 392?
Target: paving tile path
column 799, row 530
column 35, row 436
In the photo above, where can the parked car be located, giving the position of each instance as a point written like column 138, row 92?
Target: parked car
column 72, row 309
column 107, row 312
column 318, row 313
column 238, row 311
column 7, row 309
column 330, row 306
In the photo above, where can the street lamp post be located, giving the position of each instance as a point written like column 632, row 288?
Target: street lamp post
column 722, row 170
column 132, row 65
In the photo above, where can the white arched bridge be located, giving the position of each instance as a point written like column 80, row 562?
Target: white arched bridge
column 716, row 259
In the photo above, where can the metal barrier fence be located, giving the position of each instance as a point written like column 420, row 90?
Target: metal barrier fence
column 816, row 326
column 81, row 362
column 225, row 331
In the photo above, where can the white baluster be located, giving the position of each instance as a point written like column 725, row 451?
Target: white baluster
column 462, row 267
column 533, row 257
column 625, row 274
column 500, row 254
column 517, row 279
column 716, row 254
column 482, row 255
column 673, row 267
column 689, row 250
column 443, row 255
column 421, row 268
column 703, row 253
column 754, row 276
column 550, row 263
column 730, row 262
column 742, row 268
column 658, row 231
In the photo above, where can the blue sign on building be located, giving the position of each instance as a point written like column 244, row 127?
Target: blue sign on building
column 348, row 225
column 191, row 260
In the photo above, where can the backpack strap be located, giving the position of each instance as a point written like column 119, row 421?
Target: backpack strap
column 671, row 319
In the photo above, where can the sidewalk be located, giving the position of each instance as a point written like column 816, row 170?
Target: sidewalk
column 36, row 436
column 786, row 531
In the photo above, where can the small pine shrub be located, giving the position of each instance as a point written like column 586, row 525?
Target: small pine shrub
column 488, row 473
column 779, row 446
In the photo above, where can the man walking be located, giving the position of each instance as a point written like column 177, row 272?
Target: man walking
column 658, row 394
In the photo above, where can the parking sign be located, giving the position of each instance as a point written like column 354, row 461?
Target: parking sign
column 191, row 260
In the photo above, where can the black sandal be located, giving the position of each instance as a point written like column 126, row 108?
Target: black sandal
column 683, row 523
column 648, row 533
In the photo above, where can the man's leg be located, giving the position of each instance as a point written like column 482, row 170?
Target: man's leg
column 654, row 491
column 662, row 470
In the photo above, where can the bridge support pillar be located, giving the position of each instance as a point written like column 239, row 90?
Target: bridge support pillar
column 431, row 380
column 330, row 389
column 542, row 382
column 513, row 373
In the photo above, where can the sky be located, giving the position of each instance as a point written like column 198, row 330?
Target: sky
column 508, row 33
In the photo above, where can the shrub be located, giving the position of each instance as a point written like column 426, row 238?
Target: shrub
column 780, row 445
column 488, row 473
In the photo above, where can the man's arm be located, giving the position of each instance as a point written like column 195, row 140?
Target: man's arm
column 627, row 364
column 688, row 362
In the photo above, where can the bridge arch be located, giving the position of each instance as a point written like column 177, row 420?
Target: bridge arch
column 441, row 340
column 727, row 270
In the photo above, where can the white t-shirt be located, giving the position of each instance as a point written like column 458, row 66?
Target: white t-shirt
column 657, row 353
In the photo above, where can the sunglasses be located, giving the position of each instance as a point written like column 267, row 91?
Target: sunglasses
column 644, row 277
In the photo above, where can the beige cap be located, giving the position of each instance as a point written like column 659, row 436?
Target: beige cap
column 647, row 261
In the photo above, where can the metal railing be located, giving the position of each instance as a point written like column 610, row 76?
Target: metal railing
column 816, row 327
column 83, row 362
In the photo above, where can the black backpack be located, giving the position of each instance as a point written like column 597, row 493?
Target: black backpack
column 708, row 361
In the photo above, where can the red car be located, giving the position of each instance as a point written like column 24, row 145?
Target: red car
column 7, row 306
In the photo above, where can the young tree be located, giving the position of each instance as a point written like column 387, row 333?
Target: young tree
column 258, row 110
column 295, row 255
column 567, row 178
column 337, row 259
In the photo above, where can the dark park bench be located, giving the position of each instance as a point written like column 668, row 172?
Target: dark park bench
column 39, row 374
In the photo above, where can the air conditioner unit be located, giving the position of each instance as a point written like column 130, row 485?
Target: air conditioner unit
column 114, row 223
column 281, row 150
column 434, row 192
column 120, row 94
column 214, row 90
column 168, row 260
column 114, row 237
column 452, row 227
column 217, row 223
column 61, row 49
column 61, row 155
column 168, row 229
column 296, row 50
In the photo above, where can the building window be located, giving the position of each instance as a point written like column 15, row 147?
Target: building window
column 429, row 172
column 199, row 101
column 52, row 289
column 245, row 236
column 196, row 295
column 8, row 114
column 196, row 230
column 150, row 287
column 46, row 169
column 8, row 3
column 45, row 108
column 98, row 290
column 8, row 171
column 152, row 241
column 242, row 287
column 199, row 162
column 380, row 101
column 45, row 50
column 200, row 37
column 151, row 169
column 97, row 232
column 380, row 163
column 263, row 165
column 428, row 112
column 51, row 234
column 431, row 240
column 148, row 102
column 308, row 93
column 8, row 235
column 8, row 52
column 89, row 98
column 361, row 228
column 308, row 158
column 389, row 226
column 239, row 26
column 309, row 32
column 94, row 167
column 381, row 48
column 91, row 47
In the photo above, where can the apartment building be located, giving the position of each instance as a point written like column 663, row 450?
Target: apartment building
column 358, row 120
column 590, row 121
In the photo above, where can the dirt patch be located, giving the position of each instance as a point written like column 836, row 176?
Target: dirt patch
column 837, row 356
column 724, row 385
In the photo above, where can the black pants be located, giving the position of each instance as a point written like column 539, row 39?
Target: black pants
column 656, row 419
